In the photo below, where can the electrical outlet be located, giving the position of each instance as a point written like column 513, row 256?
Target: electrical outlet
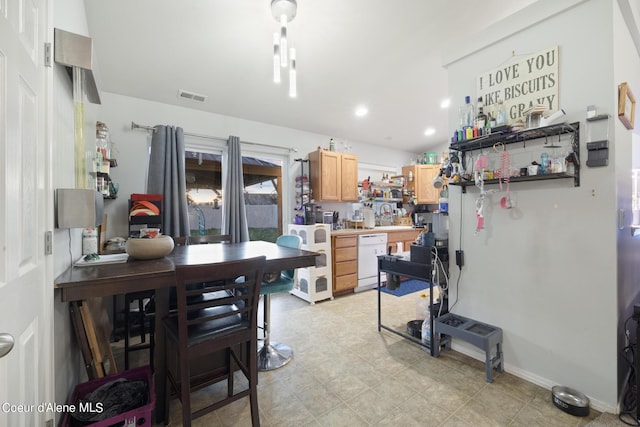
column 460, row 258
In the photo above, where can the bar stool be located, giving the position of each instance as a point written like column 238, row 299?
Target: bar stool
column 141, row 298
column 273, row 355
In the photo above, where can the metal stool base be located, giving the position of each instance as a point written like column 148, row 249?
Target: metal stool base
column 273, row 356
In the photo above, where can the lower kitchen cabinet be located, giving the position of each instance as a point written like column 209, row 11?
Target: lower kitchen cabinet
column 344, row 255
column 406, row 237
column 344, row 263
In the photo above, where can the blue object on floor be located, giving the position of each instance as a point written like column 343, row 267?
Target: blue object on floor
column 406, row 287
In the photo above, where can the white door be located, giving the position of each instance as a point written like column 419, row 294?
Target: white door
column 26, row 289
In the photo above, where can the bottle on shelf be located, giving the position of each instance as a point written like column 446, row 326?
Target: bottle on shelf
column 544, row 163
column 467, row 116
column 102, row 140
column 501, row 116
column 491, row 122
column 481, row 118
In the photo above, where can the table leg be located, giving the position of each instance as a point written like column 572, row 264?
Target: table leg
column 160, row 361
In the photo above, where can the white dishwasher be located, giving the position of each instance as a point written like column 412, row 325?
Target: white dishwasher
column 369, row 247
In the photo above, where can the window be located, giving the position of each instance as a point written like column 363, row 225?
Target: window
column 203, row 174
column 263, row 194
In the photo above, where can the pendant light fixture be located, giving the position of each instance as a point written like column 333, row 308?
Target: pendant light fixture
column 276, row 58
column 292, row 74
column 284, row 11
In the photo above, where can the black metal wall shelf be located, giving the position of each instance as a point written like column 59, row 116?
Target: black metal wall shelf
column 512, row 179
column 522, row 137
column 515, row 137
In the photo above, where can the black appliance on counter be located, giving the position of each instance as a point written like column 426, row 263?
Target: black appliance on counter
column 420, row 217
column 309, row 213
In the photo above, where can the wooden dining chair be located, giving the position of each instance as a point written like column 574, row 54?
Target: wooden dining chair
column 146, row 305
column 197, row 240
column 203, row 326
column 210, row 238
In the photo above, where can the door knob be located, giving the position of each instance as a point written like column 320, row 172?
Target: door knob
column 6, row 344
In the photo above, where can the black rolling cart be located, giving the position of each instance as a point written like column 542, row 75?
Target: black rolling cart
column 444, row 326
column 401, row 266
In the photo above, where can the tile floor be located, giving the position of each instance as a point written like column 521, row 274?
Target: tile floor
column 346, row 373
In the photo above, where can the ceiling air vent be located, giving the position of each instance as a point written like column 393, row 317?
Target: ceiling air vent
column 185, row 94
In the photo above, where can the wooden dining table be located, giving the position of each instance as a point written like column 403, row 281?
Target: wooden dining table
column 82, row 283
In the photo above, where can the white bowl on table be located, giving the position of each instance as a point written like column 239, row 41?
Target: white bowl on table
column 147, row 248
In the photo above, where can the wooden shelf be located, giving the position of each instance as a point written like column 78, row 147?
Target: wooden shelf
column 385, row 199
column 386, row 184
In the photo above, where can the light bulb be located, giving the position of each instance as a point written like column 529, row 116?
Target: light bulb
column 292, row 74
column 276, row 58
column 283, row 40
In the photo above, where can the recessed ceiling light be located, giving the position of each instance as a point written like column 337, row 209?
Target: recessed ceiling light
column 429, row 131
column 361, row 111
column 446, row 103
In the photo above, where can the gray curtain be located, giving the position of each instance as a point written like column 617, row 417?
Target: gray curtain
column 234, row 214
column 167, row 177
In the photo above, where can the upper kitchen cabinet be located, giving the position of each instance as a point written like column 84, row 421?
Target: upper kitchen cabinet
column 419, row 183
column 334, row 176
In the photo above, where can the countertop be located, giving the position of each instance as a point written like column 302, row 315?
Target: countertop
column 379, row 229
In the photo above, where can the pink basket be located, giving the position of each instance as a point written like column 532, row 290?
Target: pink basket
column 140, row 416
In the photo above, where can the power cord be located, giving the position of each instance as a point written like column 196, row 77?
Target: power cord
column 444, row 286
column 460, row 248
column 457, row 287
column 70, row 253
column 630, row 398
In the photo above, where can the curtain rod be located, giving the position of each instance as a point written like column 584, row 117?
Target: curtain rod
column 134, row 126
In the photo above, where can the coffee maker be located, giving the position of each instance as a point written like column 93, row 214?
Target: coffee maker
column 420, row 217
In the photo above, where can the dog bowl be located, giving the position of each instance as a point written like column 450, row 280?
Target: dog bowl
column 570, row 401
column 414, row 328
column 144, row 248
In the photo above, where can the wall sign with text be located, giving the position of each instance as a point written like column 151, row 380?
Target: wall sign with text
column 522, row 83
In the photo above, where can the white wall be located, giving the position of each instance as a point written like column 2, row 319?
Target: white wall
column 546, row 271
column 118, row 111
column 69, row 368
column 627, row 156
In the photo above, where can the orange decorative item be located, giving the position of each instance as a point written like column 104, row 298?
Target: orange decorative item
column 366, row 184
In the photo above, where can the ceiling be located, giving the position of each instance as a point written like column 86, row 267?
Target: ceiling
column 383, row 54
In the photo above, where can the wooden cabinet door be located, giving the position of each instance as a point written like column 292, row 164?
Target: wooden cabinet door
column 345, row 283
column 349, row 178
column 325, row 175
column 334, row 176
column 426, row 193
